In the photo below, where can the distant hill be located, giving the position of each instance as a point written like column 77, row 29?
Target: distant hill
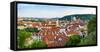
column 81, row 16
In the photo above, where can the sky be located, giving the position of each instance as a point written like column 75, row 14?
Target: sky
column 51, row 11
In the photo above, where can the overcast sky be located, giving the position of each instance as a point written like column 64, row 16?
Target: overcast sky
column 51, row 11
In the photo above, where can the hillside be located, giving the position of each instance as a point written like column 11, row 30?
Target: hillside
column 82, row 16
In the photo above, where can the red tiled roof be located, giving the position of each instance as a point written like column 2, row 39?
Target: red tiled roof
column 72, row 32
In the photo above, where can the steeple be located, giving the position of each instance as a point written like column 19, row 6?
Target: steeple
column 57, row 23
column 74, row 18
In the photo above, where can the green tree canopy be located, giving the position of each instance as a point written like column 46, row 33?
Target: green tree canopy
column 90, row 39
column 73, row 40
column 31, row 30
column 21, row 36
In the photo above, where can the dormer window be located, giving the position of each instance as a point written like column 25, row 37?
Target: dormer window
column 60, row 39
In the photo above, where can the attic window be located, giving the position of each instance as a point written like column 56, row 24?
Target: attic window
column 60, row 39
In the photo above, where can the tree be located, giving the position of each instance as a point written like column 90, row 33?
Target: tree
column 31, row 30
column 21, row 39
column 37, row 44
column 90, row 39
column 73, row 40
column 92, row 25
column 21, row 36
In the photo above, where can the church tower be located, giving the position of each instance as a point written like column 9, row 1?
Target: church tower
column 57, row 23
column 74, row 18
